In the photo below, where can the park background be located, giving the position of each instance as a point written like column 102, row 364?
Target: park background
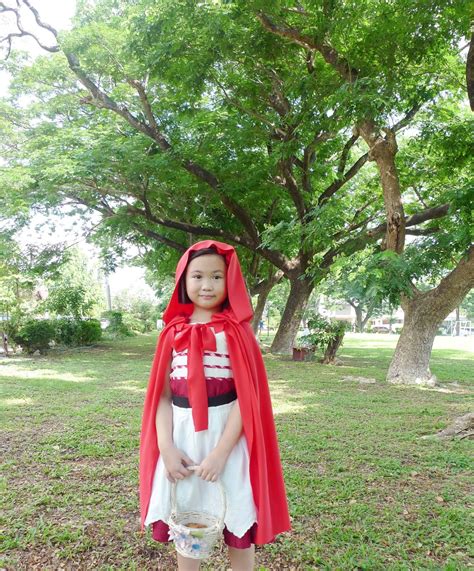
column 331, row 143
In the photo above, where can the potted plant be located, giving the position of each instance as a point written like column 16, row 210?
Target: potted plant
column 321, row 333
column 304, row 347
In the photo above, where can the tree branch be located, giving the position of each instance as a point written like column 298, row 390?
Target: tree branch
column 337, row 184
column 454, row 287
column 423, row 232
column 22, row 32
column 408, row 117
column 329, row 54
column 359, row 242
column 345, row 153
column 290, row 183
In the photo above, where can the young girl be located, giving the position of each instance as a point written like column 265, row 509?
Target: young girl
column 208, row 405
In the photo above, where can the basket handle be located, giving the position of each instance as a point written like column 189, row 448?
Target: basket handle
column 221, row 490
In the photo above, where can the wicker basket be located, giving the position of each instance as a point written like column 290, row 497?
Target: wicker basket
column 197, row 540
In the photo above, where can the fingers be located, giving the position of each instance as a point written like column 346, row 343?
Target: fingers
column 206, row 474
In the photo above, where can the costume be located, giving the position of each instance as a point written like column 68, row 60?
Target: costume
column 251, row 386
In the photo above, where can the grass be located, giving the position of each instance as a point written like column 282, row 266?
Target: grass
column 365, row 490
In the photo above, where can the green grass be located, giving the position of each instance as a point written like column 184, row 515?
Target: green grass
column 365, row 490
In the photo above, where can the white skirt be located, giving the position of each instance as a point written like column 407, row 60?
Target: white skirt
column 195, row 494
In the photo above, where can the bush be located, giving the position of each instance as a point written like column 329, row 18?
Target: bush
column 89, row 331
column 35, row 335
column 325, row 334
column 133, row 323
column 77, row 332
column 65, row 331
column 116, row 327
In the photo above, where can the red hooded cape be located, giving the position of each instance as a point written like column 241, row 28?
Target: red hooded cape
column 252, row 391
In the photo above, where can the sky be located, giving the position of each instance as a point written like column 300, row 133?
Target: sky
column 67, row 230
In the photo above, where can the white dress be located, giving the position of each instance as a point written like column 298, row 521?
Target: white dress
column 193, row 493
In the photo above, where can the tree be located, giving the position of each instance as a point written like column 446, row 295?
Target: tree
column 371, row 63
column 76, row 292
column 280, row 114
column 23, row 272
column 350, row 280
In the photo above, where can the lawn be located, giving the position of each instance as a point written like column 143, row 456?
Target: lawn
column 366, row 491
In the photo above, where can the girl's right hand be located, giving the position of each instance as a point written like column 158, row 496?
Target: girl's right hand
column 175, row 464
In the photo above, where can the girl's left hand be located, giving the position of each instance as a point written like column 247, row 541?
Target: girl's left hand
column 211, row 467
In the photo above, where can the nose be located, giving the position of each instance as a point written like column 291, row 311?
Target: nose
column 207, row 285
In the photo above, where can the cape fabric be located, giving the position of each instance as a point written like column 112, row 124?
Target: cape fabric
column 252, row 392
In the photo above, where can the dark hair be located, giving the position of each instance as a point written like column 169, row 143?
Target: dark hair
column 182, row 293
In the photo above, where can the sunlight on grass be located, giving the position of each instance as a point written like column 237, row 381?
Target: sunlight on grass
column 16, row 402
column 128, row 386
column 280, row 407
column 47, row 374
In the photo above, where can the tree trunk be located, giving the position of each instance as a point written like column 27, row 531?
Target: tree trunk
column 458, row 322
column 383, row 150
column 410, row 362
column 424, row 313
column 300, row 290
column 331, row 350
column 5, row 344
column 470, row 72
column 358, row 311
column 258, row 312
column 263, row 289
column 368, row 315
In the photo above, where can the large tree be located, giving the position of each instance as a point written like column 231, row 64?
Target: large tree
column 363, row 61
column 266, row 126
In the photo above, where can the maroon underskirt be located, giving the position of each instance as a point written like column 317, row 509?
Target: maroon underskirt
column 160, row 533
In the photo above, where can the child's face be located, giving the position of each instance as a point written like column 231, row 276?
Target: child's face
column 206, row 283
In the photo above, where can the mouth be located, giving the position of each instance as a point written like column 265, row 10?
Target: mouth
column 207, row 296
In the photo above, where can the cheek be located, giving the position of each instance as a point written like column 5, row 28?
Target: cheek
column 189, row 284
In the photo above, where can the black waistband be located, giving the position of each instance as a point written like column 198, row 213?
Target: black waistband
column 183, row 402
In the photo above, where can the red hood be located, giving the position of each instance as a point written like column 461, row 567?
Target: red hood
column 239, row 302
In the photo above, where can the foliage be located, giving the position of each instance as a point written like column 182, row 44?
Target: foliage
column 140, row 309
column 116, row 328
column 76, row 292
column 35, row 335
column 349, row 280
column 72, row 332
column 322, row 332
column 250, row 140
column 23, row 271
column 69, row 300
column 89, row 332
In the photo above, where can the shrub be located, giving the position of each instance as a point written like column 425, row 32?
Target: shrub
column 35, row 335
column 77, row 331
column 133, row 323
column 65, row 331
column 89, row 331
column 324, row 334
column 116, row 327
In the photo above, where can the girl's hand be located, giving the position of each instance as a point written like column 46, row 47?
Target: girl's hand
column 211, row 467
column 175, row 464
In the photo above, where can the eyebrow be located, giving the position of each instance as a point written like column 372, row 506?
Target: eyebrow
column 202, row 272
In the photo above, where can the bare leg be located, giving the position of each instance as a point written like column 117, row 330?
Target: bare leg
column 242, row 559
column 188, row 564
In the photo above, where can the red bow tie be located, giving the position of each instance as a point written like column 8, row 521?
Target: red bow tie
column 197, row 338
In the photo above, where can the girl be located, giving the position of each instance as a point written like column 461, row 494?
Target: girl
column 208, row 405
